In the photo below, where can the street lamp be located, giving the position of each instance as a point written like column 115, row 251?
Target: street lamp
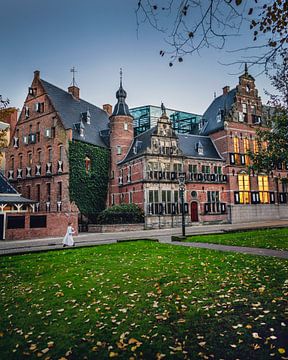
column 181, row 180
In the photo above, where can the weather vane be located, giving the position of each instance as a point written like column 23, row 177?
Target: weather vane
column 121, row 76
column 73, row 79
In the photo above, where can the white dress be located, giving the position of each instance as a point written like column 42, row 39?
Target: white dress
column 68, row 238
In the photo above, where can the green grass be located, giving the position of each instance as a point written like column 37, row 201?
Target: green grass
column 276, row 239
column 142, row 300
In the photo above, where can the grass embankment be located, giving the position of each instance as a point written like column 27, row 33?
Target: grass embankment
column 276, row 239
column 143, row 300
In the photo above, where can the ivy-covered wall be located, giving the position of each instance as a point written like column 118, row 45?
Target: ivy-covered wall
column 88, row 189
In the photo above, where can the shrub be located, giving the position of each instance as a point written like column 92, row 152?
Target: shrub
column 121, row 214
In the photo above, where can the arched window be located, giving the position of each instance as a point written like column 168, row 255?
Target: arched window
column 61, row 152
column 39, row 156
column 50, row 154
column 12, row 161
column 29, row 159
column 87, row 164
column 20, row 161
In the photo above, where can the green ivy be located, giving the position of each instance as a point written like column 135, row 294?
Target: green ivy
column 88, row 190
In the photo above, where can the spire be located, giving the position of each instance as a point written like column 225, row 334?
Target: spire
column 246, row 69
column 121, row 108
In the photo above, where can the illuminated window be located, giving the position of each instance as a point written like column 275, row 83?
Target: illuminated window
column 29, row 159
column 263, row 189
column 255, row 146
column 244, row 188
column 246, row 149
column 236, row 149
column 87, row 164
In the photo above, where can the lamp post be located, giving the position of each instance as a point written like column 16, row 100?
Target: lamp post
column 181, row 180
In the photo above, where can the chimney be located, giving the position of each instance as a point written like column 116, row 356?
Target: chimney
column 226, row 89
column 74, row 91
column 36, row 74
column 108, row 109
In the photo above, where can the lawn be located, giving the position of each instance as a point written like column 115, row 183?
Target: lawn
column 143, row 300
column 276, row 239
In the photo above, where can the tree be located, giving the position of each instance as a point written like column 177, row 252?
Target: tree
column 191, row 25
column 273, row 143
column 4, row 112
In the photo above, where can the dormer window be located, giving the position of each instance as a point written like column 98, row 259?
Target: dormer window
column 248, row 88
column 126, row 126
column 219, row 116
column 119, row 150
column 199, row 148
column 86, row 116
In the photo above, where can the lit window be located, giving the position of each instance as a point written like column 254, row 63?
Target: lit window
column 244, row 188
column 263, row 189
column 246, row 149
column 255, row 146
column 236, row 144
column 87, row 164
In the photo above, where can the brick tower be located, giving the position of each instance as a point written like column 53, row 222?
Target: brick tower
column 121, row 139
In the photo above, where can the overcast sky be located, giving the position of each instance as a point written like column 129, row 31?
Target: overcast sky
column 98, row 37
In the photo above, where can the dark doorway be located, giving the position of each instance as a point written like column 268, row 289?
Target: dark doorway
column 194, row 211
column 1, row 227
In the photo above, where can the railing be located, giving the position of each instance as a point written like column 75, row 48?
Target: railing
column 215, row 208
column 167, row 208
column 194, row 177
column 237, row 159
column 254, row 197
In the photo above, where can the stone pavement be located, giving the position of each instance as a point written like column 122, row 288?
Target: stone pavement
column 162, row 235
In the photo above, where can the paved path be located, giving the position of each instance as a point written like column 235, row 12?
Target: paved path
column 163, row 235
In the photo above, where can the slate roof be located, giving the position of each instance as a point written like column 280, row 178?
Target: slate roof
column 9, row 195
column 187, row 144
column 5, row 186
column 70, row 110
column 121, row 108
column 221, row 103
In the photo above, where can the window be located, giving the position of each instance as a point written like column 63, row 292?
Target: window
column 192, row 168
column 153, row 196
column 20, row 161
column 244, row 188
column 61, row 153
column 244, row 108
column 236, row 144
column 113, row 199
column 119, row 150
column 48, row 186
column 39, row 156
column 125, row 126
column 246, row 149
column 15, row 222
column 206, row 169
column 30, row 159
column 12, row 162
column 28, row 192
column 131, row 197
column 38, row 192
column 39, row 107
column 27, row 112
column 178, row 167
column 59, row 191
column 50, row 155
column 194, row 194
column 263, row 186
column 38, row 221
column 217, row 169
column 255, row 146
column 176, row 196
column 212, row 197
column 87, row 164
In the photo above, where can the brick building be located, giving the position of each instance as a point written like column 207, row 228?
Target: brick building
column 145, row 169
column 38, row 156
column 142, row 169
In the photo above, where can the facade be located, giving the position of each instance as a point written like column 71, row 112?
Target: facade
column 37, row 161
column 8, row 120
column 214, row 163
column 73, row 158
column 146, row 117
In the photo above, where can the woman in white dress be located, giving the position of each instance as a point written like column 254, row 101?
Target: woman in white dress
column 68, row 238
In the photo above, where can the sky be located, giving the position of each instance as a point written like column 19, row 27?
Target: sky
column 98, row 37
